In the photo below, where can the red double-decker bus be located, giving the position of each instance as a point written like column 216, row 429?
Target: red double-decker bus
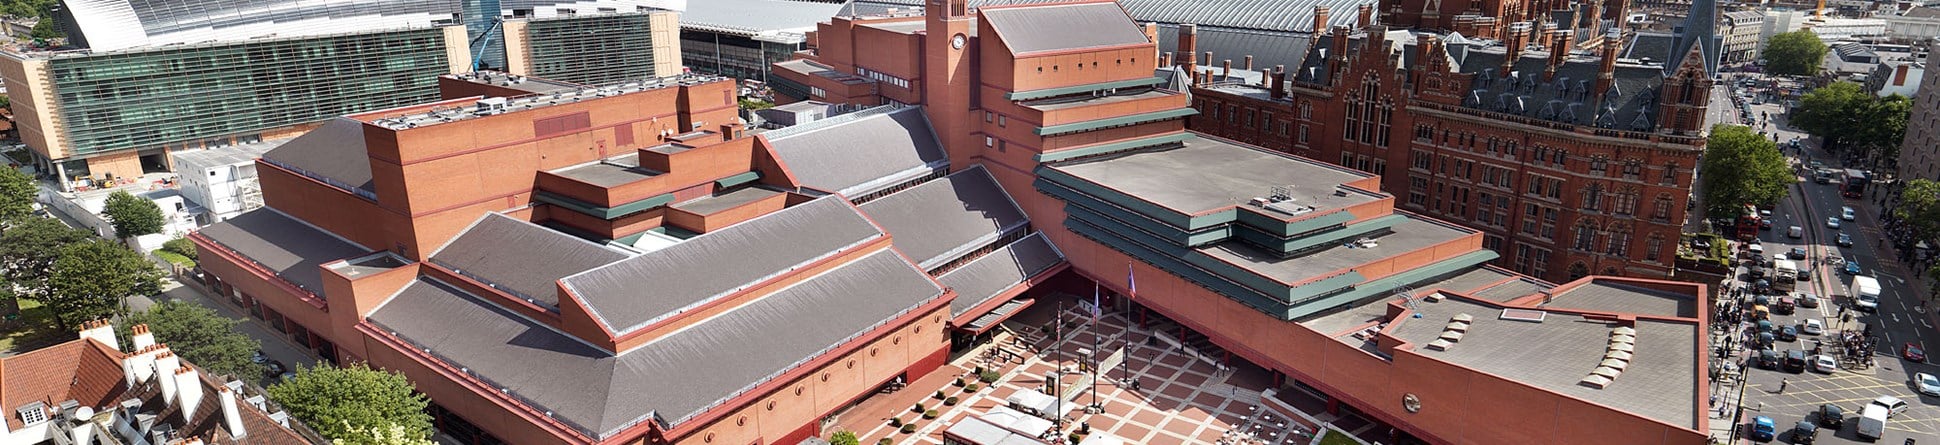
column 1853, row 182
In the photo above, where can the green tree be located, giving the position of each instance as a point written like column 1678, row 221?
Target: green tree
column 181, row 246
column 1882, row 127
column 1796, row 53
column 28, row 249
column 1833, row 112
column 844, row 438
column 1740, row 167
column 17, row 191
column 46, row 29
column 347, row 403
column 132, row 216
column 91, row 279
column 199, row 335
column 392, row 434
column 1920, row 208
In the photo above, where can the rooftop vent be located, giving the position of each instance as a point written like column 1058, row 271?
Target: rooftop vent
column 1280, row 199
column 1523, row 315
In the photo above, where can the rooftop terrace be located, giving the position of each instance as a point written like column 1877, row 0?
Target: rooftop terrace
column 610, row 172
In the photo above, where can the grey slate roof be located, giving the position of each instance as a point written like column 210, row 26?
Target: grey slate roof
column 334, row 150
column 632, row 293
column 941, row 220
column 1270, row 15
column 520, row 257
column 1653, row 45
column 1700, row 30
column 861, row 152
column 752, row 17
column 1063, row 26
column 1268, row 48
column 288, row 247
column 672, row 378
column 1569, row 97
column 985, row 277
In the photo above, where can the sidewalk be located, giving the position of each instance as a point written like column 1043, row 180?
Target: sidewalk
column 275, row 345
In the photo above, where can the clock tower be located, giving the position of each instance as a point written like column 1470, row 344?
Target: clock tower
column 948, row 77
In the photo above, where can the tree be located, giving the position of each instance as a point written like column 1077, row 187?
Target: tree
column 90, row 280
column 199, row 335
column 393, row 434
column 17, row 192
column 844, row 438
column 132, row 216
column 347, row 403
column 1833, row 112
column 1796, row 53
column 1920, row 208
column 28, row 248
column 181, row 246
column 1740, row 167
column 1882, row 127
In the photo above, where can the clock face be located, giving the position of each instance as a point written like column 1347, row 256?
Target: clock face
column 956, row 41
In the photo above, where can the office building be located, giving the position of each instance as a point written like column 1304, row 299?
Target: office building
column 1920, row 150
column 741, row 38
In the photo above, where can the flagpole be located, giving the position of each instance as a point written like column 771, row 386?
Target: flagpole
column 1095, row 310
column 1057, row 380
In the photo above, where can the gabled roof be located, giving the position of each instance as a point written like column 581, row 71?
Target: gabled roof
column 987, row 276
column 520, row 257
column 334, row 151
column 632, row 293
column 83, row 370
column 1268, row 48
column 673, row 378
column 1065, row 26
column 940, row 220
column 282, row 244
column 862, row 152
column 1266, row 15
column 1700, row 30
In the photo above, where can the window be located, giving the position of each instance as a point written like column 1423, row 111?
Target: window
column 1593, row 198
column 1266, row 120
column 1421, row 160
column 1536, row 185
column 1380, row 167
column 1599, row 165
column 989, row 141
column 1524, row 255
column 1002, row 120
column 817, row 91
column 1619, row 243
column 1633, row 169
column 1347, row 160
column 1662, row 209
column 1306, row 110
column 1627, row 203
column 1303, row 133
column 1540, row 265
column 33, row 413
column 1549, row 223
column 1417, row 186
column 1585, row 238
column 1651, row 247
column 1485, row 210
column 1530, row 215
column 1492, row 242
column 1249, row 118
column 1561, row 158
column 989, row 116
column 1670, row 173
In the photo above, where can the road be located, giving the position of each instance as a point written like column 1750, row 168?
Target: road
column 1787, row 398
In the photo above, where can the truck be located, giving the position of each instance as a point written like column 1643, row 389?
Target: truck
column 1784, row 274
column 1865, row 292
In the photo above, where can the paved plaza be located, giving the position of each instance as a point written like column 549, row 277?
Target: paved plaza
column 1179, row 397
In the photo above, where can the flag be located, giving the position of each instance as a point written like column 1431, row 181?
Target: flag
column 1131, row 282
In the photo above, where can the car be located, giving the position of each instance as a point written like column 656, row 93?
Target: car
column 1764, row 224
column 1894, row 406
column 1926, row 384
column 1761, row 300
column 1766, row 359
column 1844, row 240
column 1795, row 360
column 1805, row 432
column 1785, row 306
column 1832, row 222
column 1824, row 363
column 1814, row 164
column 1812, row 326
column 1788, row 333
column 1797, row 253
column 274, row 368
column 1808, row 301
column 258, row 357
column 1852, row 268
column 1795, row 232
column 1912, row 352
column 1832, row 416
column 1763, row 429
column 1846, row 213
column 1762, row 285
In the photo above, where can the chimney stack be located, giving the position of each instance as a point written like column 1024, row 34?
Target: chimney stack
column 102, row 331
column 1278, row 83
column 1559, row 51
column 141, row 338
column 1518, row 37
column 140, row 366
column 82, row 433
column 1226, row 69
column 1365, row 17
column 1606, row 75
column 165, row 365
column 231, row 418
column 188, row 389
column 1165, row 59
column 1249, row 63
column 1320, row 19
column 1189, row 47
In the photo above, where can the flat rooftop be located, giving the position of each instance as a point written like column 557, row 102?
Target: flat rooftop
column 486, row 107
column 522, row 83
column 1518, row 288
column 1177, row 178
column 290, row 248
column 1555, row 354
column 711, row 204
column 1408, row 235
column 1605, row 296
column 610, row 172
column 1060, row 103
column 194, row 160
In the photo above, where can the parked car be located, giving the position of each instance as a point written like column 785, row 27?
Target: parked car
column 1788, row 333
column 1765, row 224
column 1812, row 326
column 1894, row 406
column 1926, row 384
column 1766, row 359
column 1795, row 361
column 1797, row 253
column 1832, row 416
column 1832, row 222
column 1805, row 432
column 1844, row 240
column 1763, row 429
column 274, row 368
column 1825, row 364
column 1912, row 352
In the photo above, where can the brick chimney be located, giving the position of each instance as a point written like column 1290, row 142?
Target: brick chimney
column 1320, row 19
column 188, row 390
column 1518, row 37
column 141, row 338
column 1277, row 82
column 102, row 331
column 1165, row 59
column 139, row 366
column 1249, row 63
column 1606, row 74
column 1226, row 69
column 1364, row 16
column 231, row 418
column 1189, row 46
column 165, row 365
column 1559, row 51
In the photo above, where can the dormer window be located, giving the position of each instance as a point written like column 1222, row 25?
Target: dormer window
column 33, row 413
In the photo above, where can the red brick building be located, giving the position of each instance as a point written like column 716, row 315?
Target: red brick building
column 1572, row 162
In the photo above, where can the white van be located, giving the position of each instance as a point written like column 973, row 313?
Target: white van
column 1872, row 422
column 1846, row 213
column 1795, row 232
column 1865, row 291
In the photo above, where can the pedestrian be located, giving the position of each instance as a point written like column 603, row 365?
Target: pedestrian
column 1782, row 383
